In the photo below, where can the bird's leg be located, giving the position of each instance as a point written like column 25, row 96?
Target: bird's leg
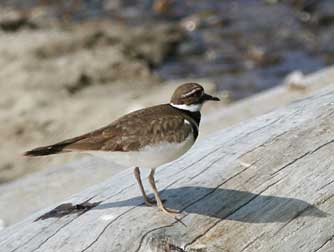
column 157, row 195
column 147, row 200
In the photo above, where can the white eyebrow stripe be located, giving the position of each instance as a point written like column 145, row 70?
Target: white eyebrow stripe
column 190, row 93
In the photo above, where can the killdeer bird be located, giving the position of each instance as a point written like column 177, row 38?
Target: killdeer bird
column 144, row 138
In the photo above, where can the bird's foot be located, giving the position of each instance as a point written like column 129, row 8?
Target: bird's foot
column 168, row 211
column 151, row 202
column 176, row 214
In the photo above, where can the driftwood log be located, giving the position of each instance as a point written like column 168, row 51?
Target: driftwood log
column 264, row 185
column 55, row 184
column 25, row 196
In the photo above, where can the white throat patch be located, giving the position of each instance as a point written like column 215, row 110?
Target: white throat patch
column 191, row 108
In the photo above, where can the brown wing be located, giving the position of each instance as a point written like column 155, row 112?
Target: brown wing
column 135, row 131
column 131, row 132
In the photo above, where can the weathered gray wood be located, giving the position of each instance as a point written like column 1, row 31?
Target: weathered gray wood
column 265, row 185
column 23, row 197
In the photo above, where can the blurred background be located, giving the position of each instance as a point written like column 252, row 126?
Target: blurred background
column 67, row 67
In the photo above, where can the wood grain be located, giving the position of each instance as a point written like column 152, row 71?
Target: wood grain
column 264, row 185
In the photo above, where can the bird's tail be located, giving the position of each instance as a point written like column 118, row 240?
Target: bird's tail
column 45, row 150
column 60, row 147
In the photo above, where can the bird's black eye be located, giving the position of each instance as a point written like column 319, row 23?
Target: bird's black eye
column 198, row 93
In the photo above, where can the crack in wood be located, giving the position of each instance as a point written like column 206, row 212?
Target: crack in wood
column 263, row 127
column 217, row 160
column 230, row 214
column 47, row 239
column 206, row 195
column 57, row 212
column 270, row 140
column 122, row 214
column 151, row 231
column 192, row 203
column 199, row 199
column 250, row 166
column 321, row 146
column 245, row 135
column 298, row 214
column 251, row 242
column 197, row 161
column 302, row 156
column 325, row 185
column 206, row 168
column 37, row 234
column 323, row 201
column 290, row 163
column 33, row 237
column 324, row 244
column 110, row 223
column 106, row 227
column 64, row 210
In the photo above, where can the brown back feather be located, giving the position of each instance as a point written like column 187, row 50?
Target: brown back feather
column 129, row 133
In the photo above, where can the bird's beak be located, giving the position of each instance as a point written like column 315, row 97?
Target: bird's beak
column 207, row 97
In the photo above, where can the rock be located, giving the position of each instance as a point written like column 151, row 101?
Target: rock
column 12, row 20
column 325, row 11
column 295, row 81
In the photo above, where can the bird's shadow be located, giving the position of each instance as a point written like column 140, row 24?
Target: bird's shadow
column 214, row 202
column 230, row 205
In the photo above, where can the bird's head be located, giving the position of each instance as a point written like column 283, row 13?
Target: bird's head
column 190, row 97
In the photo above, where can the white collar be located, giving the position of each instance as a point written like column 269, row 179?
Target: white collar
column 191, row 107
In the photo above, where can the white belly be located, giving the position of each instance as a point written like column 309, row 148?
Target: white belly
column 150, row 156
